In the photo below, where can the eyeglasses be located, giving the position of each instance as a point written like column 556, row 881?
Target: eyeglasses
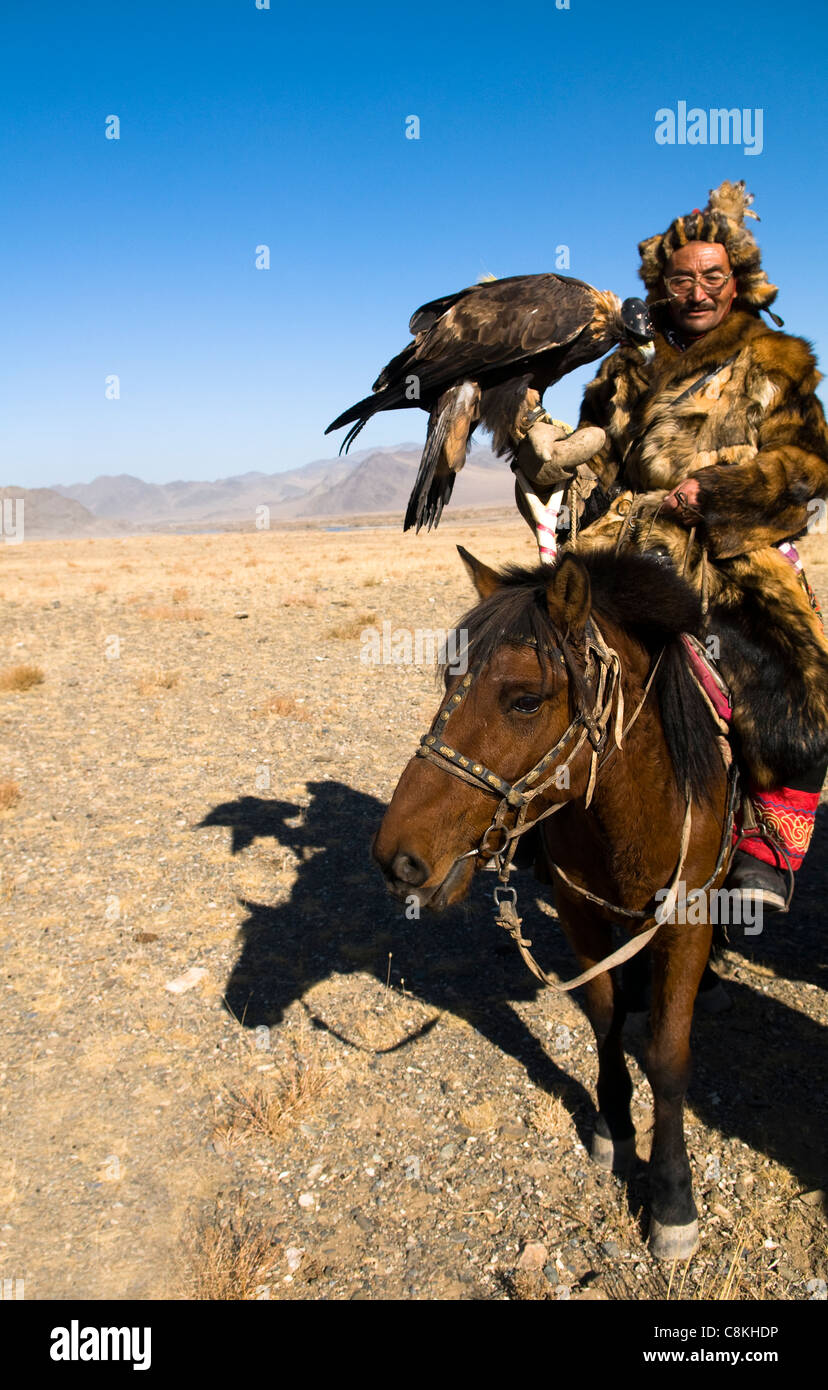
column 679, row 286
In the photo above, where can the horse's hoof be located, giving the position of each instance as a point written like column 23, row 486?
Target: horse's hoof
column 673, row 1242
column 614, row 1155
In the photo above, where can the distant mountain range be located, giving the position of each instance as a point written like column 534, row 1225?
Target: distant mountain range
column 46, row 513
column 367, row 482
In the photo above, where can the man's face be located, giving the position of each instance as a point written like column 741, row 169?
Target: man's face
column 700, row 309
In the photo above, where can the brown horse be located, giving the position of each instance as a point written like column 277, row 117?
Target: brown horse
column 557, row 656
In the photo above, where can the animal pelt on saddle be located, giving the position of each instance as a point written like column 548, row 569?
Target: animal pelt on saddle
column 769, row 641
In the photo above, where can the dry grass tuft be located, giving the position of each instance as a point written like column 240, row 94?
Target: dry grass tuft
column 726, row 1282
column 180, row 594
column 479, row 1118
column 527, row 1286
column 302, row 601
column 285, row 707
column 352, row 627
column 9, row 794
column 550, row 1116
column 263, row 1113
column 227, row 1258
column 154, row 681
column 386, row 1026
column 21, row 677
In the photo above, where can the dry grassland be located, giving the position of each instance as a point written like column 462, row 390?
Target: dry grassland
column 231, row 1068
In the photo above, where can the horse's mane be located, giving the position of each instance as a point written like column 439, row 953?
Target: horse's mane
column 645, row 598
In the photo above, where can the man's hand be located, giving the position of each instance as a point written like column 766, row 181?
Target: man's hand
column 682, row 504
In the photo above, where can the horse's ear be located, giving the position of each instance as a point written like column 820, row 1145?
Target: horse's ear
column 484, row 580
column 568, row 595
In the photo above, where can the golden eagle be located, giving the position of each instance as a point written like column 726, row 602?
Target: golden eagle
column 484, row 355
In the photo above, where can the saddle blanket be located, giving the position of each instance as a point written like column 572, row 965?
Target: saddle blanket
column 709, row 677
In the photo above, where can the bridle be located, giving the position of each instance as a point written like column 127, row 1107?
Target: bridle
column 589, row 725
column 605, row 735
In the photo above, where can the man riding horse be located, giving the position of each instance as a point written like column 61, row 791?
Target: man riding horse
column 725, row 436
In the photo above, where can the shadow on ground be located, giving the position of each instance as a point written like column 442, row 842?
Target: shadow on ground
column 757, row 1069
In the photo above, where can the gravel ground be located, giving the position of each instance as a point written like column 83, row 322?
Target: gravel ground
column 231, row 1067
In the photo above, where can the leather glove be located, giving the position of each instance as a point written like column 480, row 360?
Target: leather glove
column 549, row 456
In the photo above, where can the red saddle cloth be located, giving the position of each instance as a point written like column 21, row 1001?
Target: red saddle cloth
column 704, row 667
column 709, row 677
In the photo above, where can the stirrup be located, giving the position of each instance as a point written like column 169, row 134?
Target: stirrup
column 760, row 883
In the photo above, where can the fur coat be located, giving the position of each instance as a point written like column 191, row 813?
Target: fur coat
column 737, row 411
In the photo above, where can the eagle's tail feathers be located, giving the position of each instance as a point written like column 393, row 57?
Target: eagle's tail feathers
column 422, row 501
column 352, row 434
column 428, row 513
column 438, row 495
column 363, row 410
column 447, row 443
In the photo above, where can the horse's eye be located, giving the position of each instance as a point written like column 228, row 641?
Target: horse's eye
column 527, row 704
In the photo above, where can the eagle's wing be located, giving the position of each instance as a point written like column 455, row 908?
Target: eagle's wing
column 477, row 335
column 503, row 322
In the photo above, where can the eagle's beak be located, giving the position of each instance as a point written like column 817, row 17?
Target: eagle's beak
column 647, row 351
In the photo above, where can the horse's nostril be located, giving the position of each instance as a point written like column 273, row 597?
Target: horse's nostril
column 409, row 868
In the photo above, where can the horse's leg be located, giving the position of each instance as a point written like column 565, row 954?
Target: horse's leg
column 613, row 1143
column 635, row 982
column 680, row 954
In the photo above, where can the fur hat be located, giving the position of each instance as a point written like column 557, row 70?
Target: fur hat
column 722, row 220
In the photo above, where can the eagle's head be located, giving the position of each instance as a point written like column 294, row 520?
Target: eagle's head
column 637, row 327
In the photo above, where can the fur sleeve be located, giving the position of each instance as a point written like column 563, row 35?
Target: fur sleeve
column 750, row 505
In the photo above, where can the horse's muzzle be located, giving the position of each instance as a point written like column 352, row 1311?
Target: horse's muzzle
column 406, row 875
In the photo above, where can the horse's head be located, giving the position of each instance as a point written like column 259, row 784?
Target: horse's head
column 527, row 693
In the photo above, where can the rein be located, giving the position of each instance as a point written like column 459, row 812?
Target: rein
column 517, row 797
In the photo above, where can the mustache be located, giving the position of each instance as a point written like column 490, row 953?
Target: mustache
column 686, row 303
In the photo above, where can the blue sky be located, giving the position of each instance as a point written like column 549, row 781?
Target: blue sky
column 286, row 127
